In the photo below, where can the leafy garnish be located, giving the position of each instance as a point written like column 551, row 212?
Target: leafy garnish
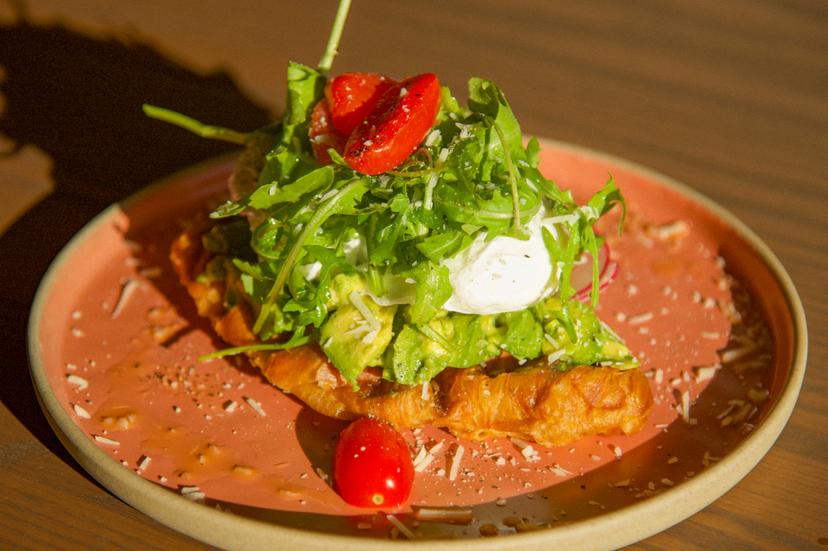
column 357, row 263
column 194, row 126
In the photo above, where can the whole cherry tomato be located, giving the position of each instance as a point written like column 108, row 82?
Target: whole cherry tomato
column 372, row 465
column 323, row 135
column 400, row 121
column 352, row 97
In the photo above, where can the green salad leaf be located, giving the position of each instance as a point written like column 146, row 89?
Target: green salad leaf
column 356, row 263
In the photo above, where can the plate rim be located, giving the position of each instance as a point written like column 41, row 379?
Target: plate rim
column 655, row 514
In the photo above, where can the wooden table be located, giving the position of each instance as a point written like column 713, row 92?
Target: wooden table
column 729, row 97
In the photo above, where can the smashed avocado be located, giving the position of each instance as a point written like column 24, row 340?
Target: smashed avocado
column 354, row 341
column 568, row 333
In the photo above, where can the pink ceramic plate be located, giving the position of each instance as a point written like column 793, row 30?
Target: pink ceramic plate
column 114, row 343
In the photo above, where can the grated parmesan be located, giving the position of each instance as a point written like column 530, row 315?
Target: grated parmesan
column 193, row 493
column 420, row 456
column 80, row 412
column 455, row 462
column 555, row 356
column 356, row 299
column 432, row 138
column 640, row 318
column 257, row 407
column 526, row 449
column 127, row 290
column 143, row 462
column 758, row 395
column 450, row 515
column 683, row 407
column 729, row 356
column 105, row 440
column 557, row 470
column 425, row 457
column 77, row 381
column 706, row 372
column 404, row 530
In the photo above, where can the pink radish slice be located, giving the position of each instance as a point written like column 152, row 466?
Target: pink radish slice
column 581, row 278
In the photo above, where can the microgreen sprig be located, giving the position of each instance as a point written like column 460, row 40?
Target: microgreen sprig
column 325, row 211
column 196, row 127
column 332, row 48
column 510, row 168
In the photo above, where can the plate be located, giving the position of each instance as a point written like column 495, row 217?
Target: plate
column 213, row 451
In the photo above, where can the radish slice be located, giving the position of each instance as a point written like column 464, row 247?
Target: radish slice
column 581, row 278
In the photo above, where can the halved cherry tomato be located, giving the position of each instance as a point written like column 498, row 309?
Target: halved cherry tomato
column 390, row 134
column 323, row 135
column 372, row 466
column 353, row 96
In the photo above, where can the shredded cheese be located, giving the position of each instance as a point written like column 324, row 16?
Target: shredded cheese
column 143, row 462
column 432, row 138
column 356, row 299
column 555, row 356
column 77, row 381
column 127, row 289
column 257, row 407
column 557, row 470
column 193, row 493
column 729, row 356
column 425, row 457
column 455, row 462
column 450, row 515
column 420, row 456
column 640, row 318
column 706, row 372
column 404, row 530
column 80, row 412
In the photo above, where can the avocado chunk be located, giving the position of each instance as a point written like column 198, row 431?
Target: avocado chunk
column 422, row 351
column 580, row 338
column 354, row 341
column 342, row 285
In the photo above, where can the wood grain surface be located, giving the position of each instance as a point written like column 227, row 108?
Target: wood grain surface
column 728, row 97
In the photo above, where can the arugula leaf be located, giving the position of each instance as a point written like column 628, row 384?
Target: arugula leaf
column 442, row 245
column 230, row 208
column 487, row 99
column 269, row 195
column 295, row 340
column 304, row 89
column 341, row 202
column 606, row 198
column 433, row 290
column 495, row 213
column 523, row 335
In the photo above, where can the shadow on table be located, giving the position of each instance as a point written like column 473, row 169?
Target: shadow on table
column 79, row 100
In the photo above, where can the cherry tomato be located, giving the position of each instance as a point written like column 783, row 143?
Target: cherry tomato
column 323, row 135
column 400, row 121
column 352, row 97
column 372, row 465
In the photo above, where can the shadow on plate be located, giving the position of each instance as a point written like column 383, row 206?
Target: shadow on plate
column 82, row 106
